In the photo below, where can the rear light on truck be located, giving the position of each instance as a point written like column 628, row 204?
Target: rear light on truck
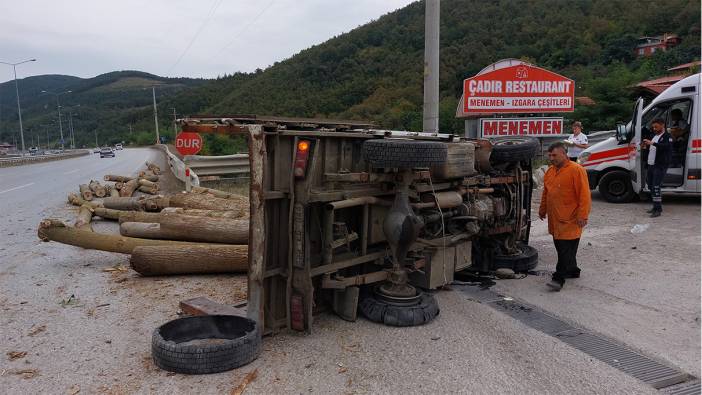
column 302, row 153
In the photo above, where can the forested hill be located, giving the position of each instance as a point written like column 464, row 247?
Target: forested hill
column 374, row 72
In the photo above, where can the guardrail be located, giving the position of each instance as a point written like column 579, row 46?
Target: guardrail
column 22, row 160
column 218, row 165
column 180, row 170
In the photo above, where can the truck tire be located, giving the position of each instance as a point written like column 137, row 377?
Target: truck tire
column 519, row 263
column 205, row 344
column 382, row 312
column 615, row 187
column 403, row 154
column 514, row 149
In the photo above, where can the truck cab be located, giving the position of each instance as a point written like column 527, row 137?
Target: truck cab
column 616, row 166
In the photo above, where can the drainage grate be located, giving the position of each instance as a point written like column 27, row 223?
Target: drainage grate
column 616, row 355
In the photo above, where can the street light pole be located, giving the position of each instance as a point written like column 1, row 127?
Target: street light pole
column 19, row 110
column 153, row 91
column 58, row 107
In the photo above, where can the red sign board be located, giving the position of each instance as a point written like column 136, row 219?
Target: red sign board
column 520, row 88
column 188, row 143
column 537, row 127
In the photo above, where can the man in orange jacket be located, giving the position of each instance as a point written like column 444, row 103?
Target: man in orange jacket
column 566, row 202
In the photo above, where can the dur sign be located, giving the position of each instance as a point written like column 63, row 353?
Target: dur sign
column 188, row 143
column 536, row 127
column 521, row 88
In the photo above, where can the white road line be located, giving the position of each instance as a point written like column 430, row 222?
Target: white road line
column 16, row 188
column 71, row 172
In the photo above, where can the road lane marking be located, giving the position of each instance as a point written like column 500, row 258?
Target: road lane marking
column 16, row 188
column 71, row 172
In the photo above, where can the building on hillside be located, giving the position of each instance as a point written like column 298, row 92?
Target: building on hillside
column 652, row 88
column 647, row 46
column 6, row 148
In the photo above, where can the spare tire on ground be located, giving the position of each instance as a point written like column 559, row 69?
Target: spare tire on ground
column 522, row 262
column 381, row 311
column 404, row 154
column 514, row 149
column 206, row 344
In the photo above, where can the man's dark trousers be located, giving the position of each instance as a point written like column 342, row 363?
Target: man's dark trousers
column 654, row 179
column 567, row 266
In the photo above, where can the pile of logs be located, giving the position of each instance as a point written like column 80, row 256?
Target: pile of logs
column 202, row 231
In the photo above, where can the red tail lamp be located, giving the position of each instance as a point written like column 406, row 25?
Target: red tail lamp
column 301, row 155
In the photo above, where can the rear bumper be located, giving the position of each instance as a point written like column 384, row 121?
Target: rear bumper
column 593, row 177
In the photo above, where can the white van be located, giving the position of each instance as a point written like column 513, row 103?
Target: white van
column 614, row 166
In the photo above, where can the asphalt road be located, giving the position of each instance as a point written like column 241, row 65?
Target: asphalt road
column 85, row 320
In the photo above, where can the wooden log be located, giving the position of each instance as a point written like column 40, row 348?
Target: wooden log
column 192, row 259
column 114, row 192
column 219, row 194
column 119, row 185
column 85, row 215
column 55, row 230
column 150, row 177
column 208, row 202
column 112, row 177
column 154, row 168
column 204, row 213
column 78, row 201
column 146, row 183
column 97, row 189
column 139, row 216
column 108, row 213
column 141, row 203
column 128, row 188
column 187, row 228
column 85, row 192
column 149, row 190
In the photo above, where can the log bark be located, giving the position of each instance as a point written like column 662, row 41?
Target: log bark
column 154, row 168
column 85, row 215
column 97, row 189
column 219, row 194
column 186, row 228
column 108, row 213
column 139, row 216
column 78, row 201
column 192, row 259
column 142, row 203
column 114, row 192
column 146, row 183
column 205, row 213
column 149, row 190
column 112, row 177
column 85, row 192
column 55, row 230
column 149, row 177
column 128, row 188
column 119, row 185
column 209, row 202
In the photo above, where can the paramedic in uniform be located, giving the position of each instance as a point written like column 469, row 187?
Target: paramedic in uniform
column 566, row 202
column 660, row 149
column 577, row 141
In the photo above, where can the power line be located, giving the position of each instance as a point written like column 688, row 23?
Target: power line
column 213, row 8
column 251, row 22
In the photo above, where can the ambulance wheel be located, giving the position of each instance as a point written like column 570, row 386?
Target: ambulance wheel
column 514, row 149
column 615, row 187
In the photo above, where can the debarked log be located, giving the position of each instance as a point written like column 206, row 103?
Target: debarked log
column 146, row 183
column 209, row 202
column 85, row 215
column 205, row 213
column 190, row 259
column 219, row 194
column 78, row 201
column 153, row 167
column 128, row 188
column 149, row 190
column 112, row 177
column 142, row 203
column 55, row 230
column 114, row 192
column 187, row 228
column 97, row 189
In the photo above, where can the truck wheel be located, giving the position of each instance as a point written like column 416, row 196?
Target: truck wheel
column 383, row 312
column 205, row 344
column 519, row 263
column 404, row 154
column 615, row 187
column 514, row 149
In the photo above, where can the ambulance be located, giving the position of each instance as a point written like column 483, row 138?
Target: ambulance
column 615, row 166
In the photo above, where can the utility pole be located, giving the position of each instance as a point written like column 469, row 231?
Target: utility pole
column 431, row 66
column 70, row 129
column 153, row 91
column 58, row 107
column 175, row 123
column 19, row 110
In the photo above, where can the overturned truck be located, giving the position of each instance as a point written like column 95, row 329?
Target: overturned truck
column 356, row 219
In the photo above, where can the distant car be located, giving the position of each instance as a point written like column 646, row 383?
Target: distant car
column 118, row 146
column 33, row 151
column 107, row 151
column 96, row 150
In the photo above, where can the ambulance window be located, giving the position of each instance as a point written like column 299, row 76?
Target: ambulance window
column 681, row 108
column 658, row 111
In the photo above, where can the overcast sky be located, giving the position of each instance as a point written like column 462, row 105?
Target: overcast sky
column 172, row 38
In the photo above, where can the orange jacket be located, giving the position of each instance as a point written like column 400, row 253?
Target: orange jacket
column 565, row 200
